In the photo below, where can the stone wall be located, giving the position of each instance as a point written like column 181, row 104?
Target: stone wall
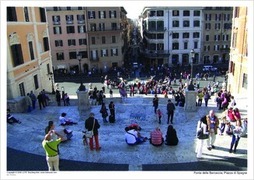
column 17, row 105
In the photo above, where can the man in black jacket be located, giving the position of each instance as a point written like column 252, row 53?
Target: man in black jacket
column 92, row 124
column 170, row 109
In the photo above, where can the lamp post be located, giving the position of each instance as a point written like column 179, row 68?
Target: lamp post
column 52, row 82
column 192, row 53
column 79, row 60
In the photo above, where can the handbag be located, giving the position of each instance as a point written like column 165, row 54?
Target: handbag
column 89, row 134
column 200, row 133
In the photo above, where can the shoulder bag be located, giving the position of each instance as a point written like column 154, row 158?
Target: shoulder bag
column 200, row 133
column 89, row 134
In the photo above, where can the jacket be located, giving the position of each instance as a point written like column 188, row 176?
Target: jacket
column 89, row 125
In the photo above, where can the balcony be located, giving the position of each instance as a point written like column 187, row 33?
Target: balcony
column 56, row 23
column 81, row 21
column 94, row 59
column 105, row 30
column 156, row 30
column 156, row 54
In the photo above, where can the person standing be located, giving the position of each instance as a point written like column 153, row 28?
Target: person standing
column 170, row 109
column 111, row 107
column 155, row 103
column 50, row 147
column 104, row 112
column 58, row 98
column 40, row 100
column 28, row 102
column 206, row 98
column 237, row 132
column 159, row 115
column 33, row 98
column 92, row 124
column 213, row 124
column 202, row 124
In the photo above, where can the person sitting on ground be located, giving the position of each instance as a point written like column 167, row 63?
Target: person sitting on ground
column 11, row 119
column 65, row 121
column 156, row 137
column 65, row 133
column 133, row 137
column 171, row 137
column 135, row 126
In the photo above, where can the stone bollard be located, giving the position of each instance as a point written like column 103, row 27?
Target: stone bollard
column 83, row 101
column 190, row 101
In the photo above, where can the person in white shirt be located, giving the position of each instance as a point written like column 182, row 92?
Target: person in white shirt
column 65, row 121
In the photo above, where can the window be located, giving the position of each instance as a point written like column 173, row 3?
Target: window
column 160, row 46
column 114, row 52
column 104, row 52
column 36, row 83
column 80, row 8
column 151, row 25
column 56, row 20
column 42, row 15
column 113, row 39
column 175, row 45
column 82, row 42
column 68, row 8
column 102, row 26
column 207, row 37
column 186, row 13
column 103, row 40
column 175, row 23
column 81, row 18
column 196, row 35
column 22, row 89
column 160, row 25
column 60, row 56
column 196, row 23
column 94, row 55
column 73, row 55
column 151, row 13
column 160, row 13
column 93, row 40
column 11, row 14
column 207, row 26
column 69, row 19
column 46, row 44
column 91, row 14
column 17, row 56
column 71, row 42
column 234, row 39
column 186, row 35
column 175, row 35
column 58, row 43
column 196, row 13
column 70, row 29
column 160, row 36
column 216, row 37
column 186, row 23
column 113, row 26
column 31, row 50
column 245, row 80
column 175, row 13
column 26, row 14
column 83, row 54
column 48, row 69
column 102, row 14
column 81, row 29
column 232, row 67
column 57, row 30
column 216, row 47
column 92, row 27
column 185, row 45
column 195, row 44
column 112, row 14
column 217, row 17
column 217, row 26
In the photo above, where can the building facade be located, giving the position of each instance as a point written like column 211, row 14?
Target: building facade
column 238, row 65
column 87, row 39
column 28, row 52
column 216, row 36
column 171, row 33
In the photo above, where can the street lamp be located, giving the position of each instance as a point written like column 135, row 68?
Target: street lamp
column 52, row 82
column 79, row 60
column 192, row 53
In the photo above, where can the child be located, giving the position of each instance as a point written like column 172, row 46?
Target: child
column 159, row 115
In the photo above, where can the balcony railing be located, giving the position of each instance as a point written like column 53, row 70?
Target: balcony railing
column 156, row 54
column 105, row 29
column 94, row 59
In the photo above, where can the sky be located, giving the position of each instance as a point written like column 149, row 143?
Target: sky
column 133, row 11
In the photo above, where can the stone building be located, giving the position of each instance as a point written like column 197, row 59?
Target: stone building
column 238, row 65
column 29, row 66
column 86, row 39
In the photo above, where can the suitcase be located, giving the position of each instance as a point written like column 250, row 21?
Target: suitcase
column 111, row 119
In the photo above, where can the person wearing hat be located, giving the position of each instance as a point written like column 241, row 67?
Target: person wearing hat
column 50, row 147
